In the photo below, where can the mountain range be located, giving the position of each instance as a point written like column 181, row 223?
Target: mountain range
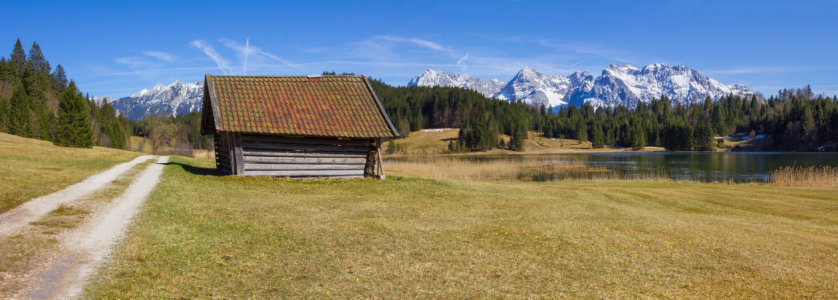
column 175, row 99
column 618, row 85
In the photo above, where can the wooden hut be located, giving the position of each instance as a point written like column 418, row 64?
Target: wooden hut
column 295, row 126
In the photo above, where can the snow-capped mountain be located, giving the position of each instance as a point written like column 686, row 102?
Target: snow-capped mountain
column 176, row 99
column 451, row 79
column 618, row 85
column 537, row 88
column 628, row 85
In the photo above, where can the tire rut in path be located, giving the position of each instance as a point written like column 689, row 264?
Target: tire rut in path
column 81, row 251
column 33, row 210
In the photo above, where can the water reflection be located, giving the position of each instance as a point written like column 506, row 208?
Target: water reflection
column 707, row 167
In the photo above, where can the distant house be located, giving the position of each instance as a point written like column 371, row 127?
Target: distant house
column 295, row 126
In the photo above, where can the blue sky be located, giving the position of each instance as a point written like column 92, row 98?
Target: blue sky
column 117, row 49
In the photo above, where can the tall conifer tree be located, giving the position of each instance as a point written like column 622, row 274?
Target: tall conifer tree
column 4, row 113
column 73, row 128
column 598, row 137
column 4, row 69
column 20, row 123
column 60, row 78
column 581, row 131
column 18, row 62
column 39, row 62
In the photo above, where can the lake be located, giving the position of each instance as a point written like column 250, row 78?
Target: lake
column 697, row 166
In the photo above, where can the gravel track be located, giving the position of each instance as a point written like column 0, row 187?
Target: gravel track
column 33, row 210
column 81, row 251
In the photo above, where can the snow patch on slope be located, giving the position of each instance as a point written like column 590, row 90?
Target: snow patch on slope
column 172, row 100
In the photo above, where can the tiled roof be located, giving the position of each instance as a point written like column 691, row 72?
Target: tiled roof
column 328, row 106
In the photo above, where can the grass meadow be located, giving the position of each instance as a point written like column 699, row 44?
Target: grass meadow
column 30, row 168
column 200, row 235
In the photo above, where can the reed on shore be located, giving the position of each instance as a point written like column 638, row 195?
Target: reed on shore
column 799, row 176
column 480, row 170
column 510, row 169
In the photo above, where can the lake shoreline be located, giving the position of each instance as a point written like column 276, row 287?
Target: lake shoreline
column 739, row 167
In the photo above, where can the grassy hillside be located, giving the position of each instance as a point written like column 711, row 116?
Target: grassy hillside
column 432, row 142
column 31, row 168
column 207, row 236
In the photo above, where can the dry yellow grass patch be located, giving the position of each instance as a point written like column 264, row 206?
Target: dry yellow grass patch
column 31, row 168
column 510, row 168
column 494, row 169
column 434, row 142
column 203, row 154
column 799, row 176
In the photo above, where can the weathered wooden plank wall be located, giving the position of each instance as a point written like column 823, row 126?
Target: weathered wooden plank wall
column 265, row 155
column 222, row 153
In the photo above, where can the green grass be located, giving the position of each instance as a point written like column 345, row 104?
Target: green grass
column 207, row 236
column 30, row 168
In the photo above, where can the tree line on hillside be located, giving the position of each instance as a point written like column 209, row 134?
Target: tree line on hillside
column 797, row 119
column 481, row 120
column 39, row 102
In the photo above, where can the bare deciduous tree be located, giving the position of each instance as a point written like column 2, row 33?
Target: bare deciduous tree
column 160, row 131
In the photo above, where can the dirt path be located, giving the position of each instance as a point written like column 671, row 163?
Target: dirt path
column 32, row 210
column 82, row 250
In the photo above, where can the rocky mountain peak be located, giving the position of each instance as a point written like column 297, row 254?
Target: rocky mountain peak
column 177, row 98
column 618, row 85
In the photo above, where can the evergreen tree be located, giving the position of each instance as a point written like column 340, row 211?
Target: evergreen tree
column 4, row 69
column 581, row 131
column 598, row 137
column 718, row 117
column 703, row 138
column 18, row 62
column 36, row 81
column 60, row 79
column 36, row 57
column 679, row 136
column 4, row 113
column 516, row 142
column 73, row 129
column 638, row 138
column 20, row 122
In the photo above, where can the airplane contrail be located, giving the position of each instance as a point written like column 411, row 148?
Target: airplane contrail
column 246, row 47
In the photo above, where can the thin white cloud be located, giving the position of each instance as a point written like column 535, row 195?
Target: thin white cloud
column 222, row 63
column 161, row 55
column 462, row 63
column 247, row 49
column 420, row 42
column 394, row 47
column 144, row 73
column 132, row 62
